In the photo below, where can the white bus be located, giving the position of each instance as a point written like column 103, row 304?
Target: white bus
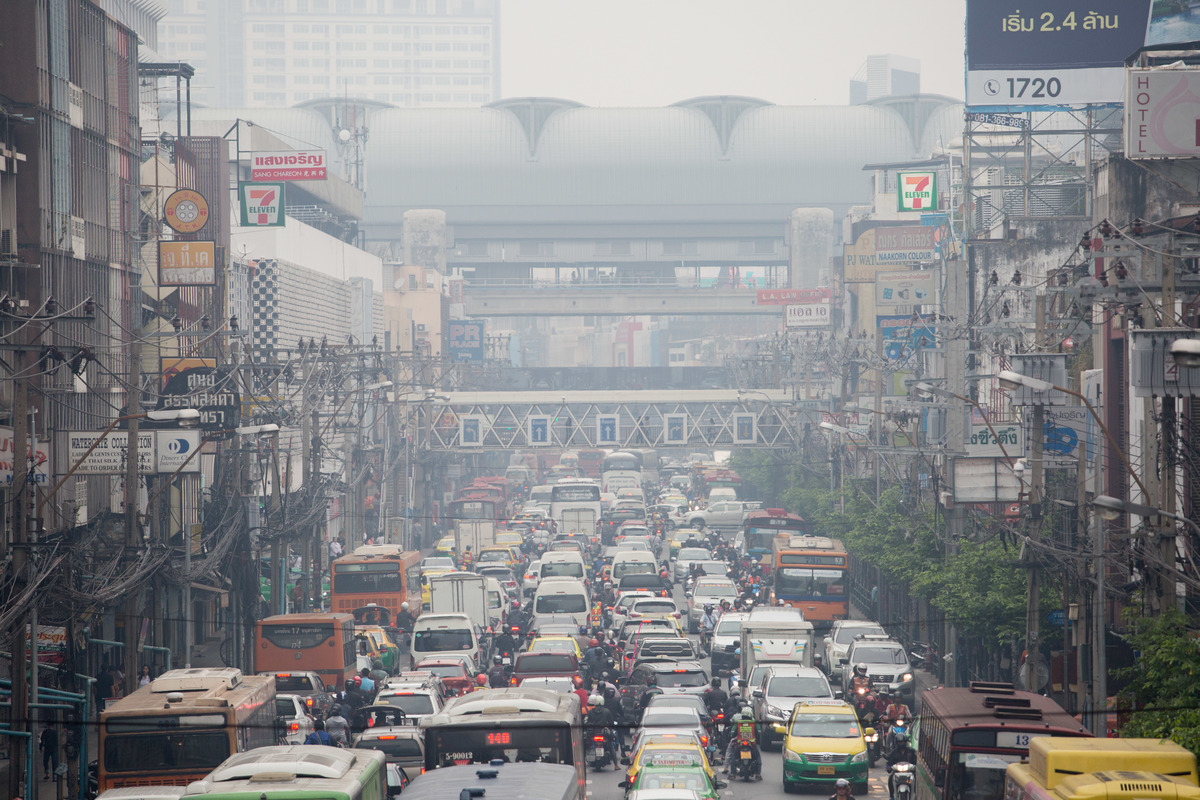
column 575, row 507
column 282, row 773
column 619, row 470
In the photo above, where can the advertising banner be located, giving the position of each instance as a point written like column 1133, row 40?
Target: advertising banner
column 262, row 205
column 39, row 459
column 881, row 249
column 905, row 288
column 288, row 165
column 903, row 335
column 174, row 450
column 1161, row 119
column 212, row 391
column 466, row 339
column 109, row 456
column 983, row 444
column 807, row 315
column 1065, row 430
column 187, row 263
column 1022, row 57
column 784, row 297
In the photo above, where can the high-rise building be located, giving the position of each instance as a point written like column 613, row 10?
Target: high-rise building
column 885, row 76
column 250, row 53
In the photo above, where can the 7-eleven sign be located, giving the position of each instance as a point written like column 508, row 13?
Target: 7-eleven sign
column 917, row 191
column 261, row 204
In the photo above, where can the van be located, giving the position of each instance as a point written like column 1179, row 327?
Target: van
column 445, row 636
column 562, row 596
column 562, row 564
column 633, row 562
column 631, row 493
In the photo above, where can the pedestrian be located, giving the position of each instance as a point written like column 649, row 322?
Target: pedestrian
column 49, row 745
column 144, row 679
column 104, row 685
column 417, row 534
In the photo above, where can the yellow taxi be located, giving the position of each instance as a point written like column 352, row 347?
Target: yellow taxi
column 445, row 546
column 667, row 745
column 499, row 554
column 556, row 644
column 425, row 576
column 681, row 535
column 513, row 540
column 824, row 742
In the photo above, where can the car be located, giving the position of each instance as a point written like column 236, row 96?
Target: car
column 417, row 701
column 660, row 647
column 504, row 576
column 679, row 537
column 654, row 607
column 668, row 773
column 445, row 546
column 632, row 528
column 530, row 583
column 887, row 661
column 655, row 626
column 554, row 625
column 644, row 583
column 683, row 743
column 397, row 779
column 543, row 665
column 292, row 712
column 457, row 673
column 727, row 637
column 307, row 685
column 400, row 744
column 379, row 645
column 724, row 514
column 560, row 685
column 556, row 644
column 674, row 719
column 513, row 540
column 708, row 591
column 662, row 794
column 695, row 701
column 620, row 611
column 673, row 677
column 837, row 643
column 823, row 742
column 438, row 562
column 497, row 554
column 713, row 567
column 683, row 561
column 784, row 685
column 632, row 542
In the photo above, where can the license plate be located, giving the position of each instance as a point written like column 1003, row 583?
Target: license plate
column 746, row 755
column 599, row 752
column 826, row 770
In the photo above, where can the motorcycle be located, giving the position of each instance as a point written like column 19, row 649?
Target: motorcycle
column 743, row 765
column 706, row 642
column 902, row 780
column 864, row 707
column 897, row 733
column 872, row 740
column 603, row 750
column 720, row 732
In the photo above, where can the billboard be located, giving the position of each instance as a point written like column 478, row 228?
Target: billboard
column 1160, row 113
column 916, row 191
column 905, row 288
column 902, row 335
column 885, row 248
column 288, row 165
column 1061, row 53
column 262, row 205
column 466, row 340
column 213, row 391
column 108, row 456
column 187, row 263
column 39, row 459
column 807, row 315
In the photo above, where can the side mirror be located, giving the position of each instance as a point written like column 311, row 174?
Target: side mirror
column 838, row 694
column 719, row 785
column 843, row 662
column 758, row 692
column 779, row 729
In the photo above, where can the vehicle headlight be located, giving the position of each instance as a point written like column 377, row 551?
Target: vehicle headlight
column 858, row 758
column 791, row 755
column 906, row 677
column 773, row 711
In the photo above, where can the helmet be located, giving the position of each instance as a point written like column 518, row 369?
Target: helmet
column 708, row 606
column 747, row 708
column 578, row 681
column 716, row 683
column 481, row 679
column 497, row 660
column 404, row 606
column 358, row 680
column 595, row 700
column 860, row 669
column 842, row 783
column 516, row 603
column 652, row 680
column 593, row 642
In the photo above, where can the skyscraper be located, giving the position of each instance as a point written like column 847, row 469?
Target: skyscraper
column 885, row 76
column 250, row 53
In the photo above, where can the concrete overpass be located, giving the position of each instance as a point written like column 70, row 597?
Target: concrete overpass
column 610, row 300
column 719, row 418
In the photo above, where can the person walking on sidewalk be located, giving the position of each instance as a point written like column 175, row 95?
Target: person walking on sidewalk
column 49, row 745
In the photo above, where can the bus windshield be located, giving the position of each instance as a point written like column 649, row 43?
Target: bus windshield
column 621, row 462
column 471, row 509
column 810, row 582
column 166, row 751
column 367, row 577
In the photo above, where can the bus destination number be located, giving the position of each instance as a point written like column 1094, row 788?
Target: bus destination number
column 500, row 737
column 1016, row 739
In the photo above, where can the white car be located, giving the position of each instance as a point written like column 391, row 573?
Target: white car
column 837, row 643
column 723, row 514
column 620, row 611
column 530, row 583
column 292, row 712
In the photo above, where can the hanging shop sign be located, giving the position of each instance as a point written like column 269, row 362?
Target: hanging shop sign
column 288, row 165
column 213, row 391
column 186, row 211
column 262, row 205
column 187, row 263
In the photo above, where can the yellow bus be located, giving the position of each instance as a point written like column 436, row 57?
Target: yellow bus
column 183, row 724
column 1068, row 768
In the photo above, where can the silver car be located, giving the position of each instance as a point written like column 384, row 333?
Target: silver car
column 837, row 643
column 708, row 591
column 683, row 561
column 780, row 689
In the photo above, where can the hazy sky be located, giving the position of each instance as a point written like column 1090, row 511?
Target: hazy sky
column 656, row 52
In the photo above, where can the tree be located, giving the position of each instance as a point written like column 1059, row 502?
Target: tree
column 1164, row 681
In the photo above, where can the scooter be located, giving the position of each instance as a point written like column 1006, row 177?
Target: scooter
column 903, row 785
column 603, row 750
column 743, row 765
column 897, row 733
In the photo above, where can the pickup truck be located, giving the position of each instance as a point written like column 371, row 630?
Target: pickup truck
column 544, row 665
column 724, row 514
column 308, row 686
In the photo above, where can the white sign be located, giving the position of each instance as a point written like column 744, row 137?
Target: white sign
column 470, row 431
column 537, row 432
column 983, row 444
column 108, row 458
column 39, row 465
column 1016, row 740
column 905, row 288
column 174, row 450
column 1020, row 89
column 985, row 480
column 807, row 315
column 288, row 165
column 1162, row 118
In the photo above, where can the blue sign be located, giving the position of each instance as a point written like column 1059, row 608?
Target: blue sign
column 1057, row 618
column 465, row 342
column 676, row 429
column 607, row 430
column 539, row 430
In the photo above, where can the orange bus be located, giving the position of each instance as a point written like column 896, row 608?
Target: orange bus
column 810, row 573
column 182, row 725
column 384, row 574
column 320, row 643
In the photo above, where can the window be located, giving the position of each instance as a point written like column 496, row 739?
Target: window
column 756, row 247
column 679, row 247
column 380, row 46
column 530, row 247
column 321, row 46
column 380, row 63
column 381, row 80
column 299, row 29
column 276, row 64
column 299, row 45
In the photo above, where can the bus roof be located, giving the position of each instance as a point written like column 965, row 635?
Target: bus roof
column 277, row 769
column 212, row 688
column 381, row 551
column 998, row 704
column 786, row 542
column 307, row 618
column 479, row 705
column 500, row 782
column 1052, row 758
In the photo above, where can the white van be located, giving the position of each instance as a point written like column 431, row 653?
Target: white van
column 496, row 602
column 562, row 596
column 722, row 493
column 443, row 636
column 631, row 493
column 540, row 496
column 633, row 562
column 562, row 564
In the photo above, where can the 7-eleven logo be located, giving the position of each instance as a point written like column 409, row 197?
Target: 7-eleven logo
column 262, row 204
column 918, row 191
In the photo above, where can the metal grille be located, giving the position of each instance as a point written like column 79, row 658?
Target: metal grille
column 882, row 678
column 825, row 758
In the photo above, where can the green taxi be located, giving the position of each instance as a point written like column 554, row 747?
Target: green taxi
column 686, row 774
column 822, row 743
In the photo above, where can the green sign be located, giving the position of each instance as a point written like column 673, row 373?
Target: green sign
column 917, row 191
column 261, row 205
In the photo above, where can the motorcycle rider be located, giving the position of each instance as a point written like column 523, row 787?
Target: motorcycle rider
column 504, row 643
column 405, row 619
column 744, row 730
column 594, row 657
column 600, row 722
column 842, row 790
column 708, row 620
column 902, row 753
column 896, row 711
column 649, row 694
column 860, row 680
column 517, row 617
column 497, row 676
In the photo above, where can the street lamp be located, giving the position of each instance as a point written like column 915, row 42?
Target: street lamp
column 928, row 390
column 1186, row 352
column 1111, row 509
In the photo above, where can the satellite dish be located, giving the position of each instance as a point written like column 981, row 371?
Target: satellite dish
column 344, row 135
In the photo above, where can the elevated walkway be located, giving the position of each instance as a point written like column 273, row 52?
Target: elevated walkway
column 609, row 300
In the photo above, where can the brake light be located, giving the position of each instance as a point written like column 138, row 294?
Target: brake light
column 720, row 716
column 704, row 740
column 283, row 674
column 295, row 726
column 514, row 681
column 598, row 739
column 308, row 701
column 387, row 737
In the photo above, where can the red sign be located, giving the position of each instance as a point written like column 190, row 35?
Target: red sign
column 288, row 165
column 787, row 297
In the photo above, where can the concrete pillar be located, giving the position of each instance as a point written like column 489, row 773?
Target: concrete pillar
column 810, row 247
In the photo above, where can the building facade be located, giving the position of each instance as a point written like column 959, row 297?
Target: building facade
column 284, row 52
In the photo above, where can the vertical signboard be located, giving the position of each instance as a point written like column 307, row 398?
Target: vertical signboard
column 608, row 429
column 465, row 342
column 1161, row 119
column 470, row 431
column 917, row 191
column 187, row 263
column 262, row 205
column 675, row 429
column 745, row 428
column 537, row 431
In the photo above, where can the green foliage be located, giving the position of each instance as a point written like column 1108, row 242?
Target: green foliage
column 1164, row 681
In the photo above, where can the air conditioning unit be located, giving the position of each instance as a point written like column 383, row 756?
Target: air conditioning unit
column 8, row 243
column 420, row 327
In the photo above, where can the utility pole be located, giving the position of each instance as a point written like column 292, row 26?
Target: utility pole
column 20, row 555
column 1165, row 539
column 1033, row 599
column 131, row 505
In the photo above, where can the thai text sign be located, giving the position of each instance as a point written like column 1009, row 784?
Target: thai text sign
column 807, row 315
column 39, row 459
column 288, row 165
column 187, row 263
column 108, row 458
column 210, row 390
column 883, row 248
column 905, row 288
column 1161, row 119
column 984, row 444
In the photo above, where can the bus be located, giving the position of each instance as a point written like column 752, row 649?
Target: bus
column 575, row 507
column 619, row 470
column 181, row 725
column 470, row 505
column 288, row 772
column 761, row 527
column 1068, row 768
column 513, row 725
column 811, row 574
column 526, row 781
column 968, row 736
column 382, row 574
column 320, row 643
column 591, row 461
